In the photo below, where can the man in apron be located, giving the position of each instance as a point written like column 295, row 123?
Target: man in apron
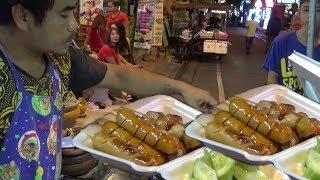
column 38, row 66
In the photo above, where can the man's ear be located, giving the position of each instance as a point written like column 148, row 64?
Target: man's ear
column 22, row 17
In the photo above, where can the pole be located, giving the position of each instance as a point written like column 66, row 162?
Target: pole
column 311, row 33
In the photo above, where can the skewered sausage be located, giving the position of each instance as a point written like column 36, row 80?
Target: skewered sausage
column 274, row 110
column 112, row 128
column 177, row 128
column 228, row 136
column 113, row 146
column 271, row 128
column 147, row 132
column 225, row 118
column 300, row 122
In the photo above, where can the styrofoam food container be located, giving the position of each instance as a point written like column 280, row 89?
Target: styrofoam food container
column 292, row 163
column 160, row 103
column 182, row 170
column 277, row 93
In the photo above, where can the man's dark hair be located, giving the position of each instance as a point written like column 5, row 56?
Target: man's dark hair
column 116, row 3
column 37, row 7
column 123, row 43
column 108, row 40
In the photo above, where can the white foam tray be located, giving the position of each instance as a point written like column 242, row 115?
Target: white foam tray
column 161, row 103
column 183, row 170
column 292, row 163
column 277, row 93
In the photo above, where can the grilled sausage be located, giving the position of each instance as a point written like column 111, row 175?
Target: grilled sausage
column 113, row 146
column 226, row 135
column 271, row 128
column 274, row 110
column 112, row 128
column 175, row 128
column 225, row 118
column 146, row 132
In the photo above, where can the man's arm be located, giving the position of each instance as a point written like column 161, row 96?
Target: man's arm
column 272, row 77
column 142, row 82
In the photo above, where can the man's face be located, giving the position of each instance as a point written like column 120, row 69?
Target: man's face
column 111, row 7
column 304, row 16
column 114, row 36
column 57, row 30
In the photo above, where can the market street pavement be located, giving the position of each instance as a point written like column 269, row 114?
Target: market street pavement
column 237, row 72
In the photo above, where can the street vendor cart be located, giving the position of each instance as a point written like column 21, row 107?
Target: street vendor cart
column 212, row 41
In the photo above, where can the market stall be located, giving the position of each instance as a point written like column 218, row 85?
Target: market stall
column 264, row 133
column 209, row 40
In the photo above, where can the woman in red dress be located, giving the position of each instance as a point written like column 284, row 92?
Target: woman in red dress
column 96, row 36
column 109, row 53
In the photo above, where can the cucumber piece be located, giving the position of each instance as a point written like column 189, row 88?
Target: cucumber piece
column 223, row 165
column 312, row 167
column 252, row 173
column 207, row 158
column 202, row 171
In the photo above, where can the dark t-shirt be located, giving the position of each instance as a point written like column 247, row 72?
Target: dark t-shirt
column 77, row 71
column 274, row 26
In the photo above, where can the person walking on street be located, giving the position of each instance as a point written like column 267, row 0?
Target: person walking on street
column 38, row 67
column 114, row 14
column 273, row 29
column 252, row 27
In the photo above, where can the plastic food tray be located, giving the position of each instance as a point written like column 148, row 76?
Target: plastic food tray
column 275, row 93
column 292, row 163
column 159, row 103
column 182, row 170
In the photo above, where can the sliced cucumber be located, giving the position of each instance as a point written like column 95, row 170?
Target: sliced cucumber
column 312, row 169
column 223, row 165
column 202, row 171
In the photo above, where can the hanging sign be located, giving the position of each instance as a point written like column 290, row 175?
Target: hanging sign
column 149, row 23
column 89, row 9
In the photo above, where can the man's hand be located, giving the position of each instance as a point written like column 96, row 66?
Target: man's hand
column 198, row 98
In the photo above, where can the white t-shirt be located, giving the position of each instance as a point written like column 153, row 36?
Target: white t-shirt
column 252, row 28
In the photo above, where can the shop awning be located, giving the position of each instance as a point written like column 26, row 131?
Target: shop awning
column 200, row 6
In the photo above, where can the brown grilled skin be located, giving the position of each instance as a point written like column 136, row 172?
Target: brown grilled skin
column 228, row 136
column 225, row 118
column 260, row 122
column 146, row 132
column 113, row 146
column 304, row 126
column 112, row 128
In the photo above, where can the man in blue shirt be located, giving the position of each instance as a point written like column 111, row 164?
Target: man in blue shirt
column 276, row 62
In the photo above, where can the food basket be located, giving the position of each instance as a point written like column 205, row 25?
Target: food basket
column 277, row 93
column 161, row 103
